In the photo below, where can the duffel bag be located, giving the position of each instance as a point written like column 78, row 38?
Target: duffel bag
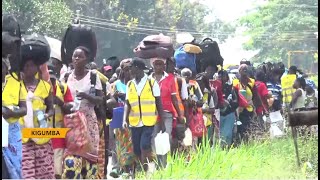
column 155, row 46
column 35, row 47
column 78, row 35
column 210, row 55
column 185, row 60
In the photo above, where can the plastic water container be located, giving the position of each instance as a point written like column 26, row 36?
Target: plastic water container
column 117, row 117
column 162, row 143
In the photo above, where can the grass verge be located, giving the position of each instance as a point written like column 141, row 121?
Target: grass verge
column 271, row 159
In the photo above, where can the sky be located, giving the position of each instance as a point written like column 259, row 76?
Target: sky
column 228, row 11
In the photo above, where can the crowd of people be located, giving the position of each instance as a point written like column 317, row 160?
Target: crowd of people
column 161, row 98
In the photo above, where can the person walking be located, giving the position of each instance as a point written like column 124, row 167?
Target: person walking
column 37, row 153
column 143, row 105
column 13, row 108
column 244, row 87
column 169, row 101
column 62, row 98
column 79, row 81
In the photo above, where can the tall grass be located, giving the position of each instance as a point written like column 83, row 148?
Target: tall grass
column 271, row 159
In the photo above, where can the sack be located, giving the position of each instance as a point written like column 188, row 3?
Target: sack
column 155, row 46
column 210, row 55
column 35, row 47
column 256, row 99
column 162, row 143
column 185, row 60
column 78, row 35
column 242, row 100
column 77, row 138
column 196, row 125
column 191, row 48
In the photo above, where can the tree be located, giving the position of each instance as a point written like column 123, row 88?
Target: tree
column 124, row 23
column 280, row 26
column 41, row 16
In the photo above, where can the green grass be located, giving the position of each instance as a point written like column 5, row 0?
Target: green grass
column 271, row 159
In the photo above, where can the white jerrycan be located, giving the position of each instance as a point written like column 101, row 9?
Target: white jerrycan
column 162, row 143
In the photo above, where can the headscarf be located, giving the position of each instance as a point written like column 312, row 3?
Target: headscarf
column 125, row 63
column 242, row 67
column 152, row 60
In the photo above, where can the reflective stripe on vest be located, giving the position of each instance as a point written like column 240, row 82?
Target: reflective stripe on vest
column 142, row 107
column 41, row 92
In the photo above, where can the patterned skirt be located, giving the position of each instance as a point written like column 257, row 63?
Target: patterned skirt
column 37, row 161
column 101, row 157
column 76, row 167
column 124, row 147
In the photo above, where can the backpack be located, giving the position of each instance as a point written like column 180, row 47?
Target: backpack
column 100, row 110
column 11, row 41
column 155, row 46
column 75, row 36
column 35, row 47
column 210, row 55
column 185, row 60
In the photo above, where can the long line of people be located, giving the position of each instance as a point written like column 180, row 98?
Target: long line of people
column 175, row 101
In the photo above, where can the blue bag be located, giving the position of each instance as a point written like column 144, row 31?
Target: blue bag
column 185, row 60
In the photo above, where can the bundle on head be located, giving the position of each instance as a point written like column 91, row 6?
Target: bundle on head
column 155, row 46
column 210, row 55
column 78, row 35
column 35, row 47
column 11, row 41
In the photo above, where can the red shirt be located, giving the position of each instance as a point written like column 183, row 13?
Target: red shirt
column 217, row 84
column 60, row 142
column 67, row 97
column 168, row 88
column 263, row 92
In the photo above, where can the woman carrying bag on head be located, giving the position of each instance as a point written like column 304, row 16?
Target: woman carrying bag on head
column 87, row 95
column 37, row 153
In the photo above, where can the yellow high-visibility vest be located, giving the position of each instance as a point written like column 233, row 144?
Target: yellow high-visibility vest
column 11, row 94
column 236, row 85
column 144, row 106
column 41, row 92
column 287, row 82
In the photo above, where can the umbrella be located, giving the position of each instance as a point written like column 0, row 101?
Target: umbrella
column 55, row 46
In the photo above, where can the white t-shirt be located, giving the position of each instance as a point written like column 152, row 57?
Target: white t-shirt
column 300, row 103
column 184, row 90
column 139, row 87
column 82, row 85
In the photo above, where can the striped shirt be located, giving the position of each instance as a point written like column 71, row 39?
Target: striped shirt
column 276, row 90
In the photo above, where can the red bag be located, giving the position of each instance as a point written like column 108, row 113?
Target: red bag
column 197, row 125
column 77, row 138
column 242, row 101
